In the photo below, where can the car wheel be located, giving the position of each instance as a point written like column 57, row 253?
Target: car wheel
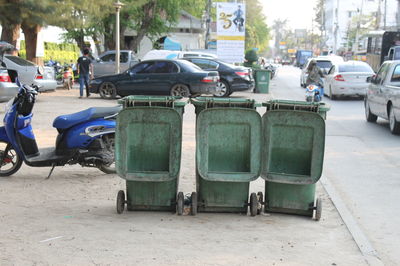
column 223, row 89
column 368, row 115
column 394, row 125
column 180, row 90
column 107, row 90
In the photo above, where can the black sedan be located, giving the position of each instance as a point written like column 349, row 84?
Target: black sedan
column 232, row 78
column 158, row 77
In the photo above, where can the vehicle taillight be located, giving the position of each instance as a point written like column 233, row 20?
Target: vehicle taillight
column 242, row 74
column 4, row 77
column 38, row 76
column 338, row 78
column 210, row 79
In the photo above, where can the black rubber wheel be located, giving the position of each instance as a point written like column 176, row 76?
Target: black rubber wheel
column 368, row 115
column 11, row 161
column 318, row 209
column 180, row 90
column 193, row 204
column 108, row 90
column 120, row 201
column 109, row 147
column 223, row 87
column 179, row 203
column 394, row 125
column 260, row 201
column 253, row 204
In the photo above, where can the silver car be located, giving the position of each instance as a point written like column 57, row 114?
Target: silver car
column 105, row 64
column 30, row 73
column 8, row 89
column 347, row 79
column 382, row 98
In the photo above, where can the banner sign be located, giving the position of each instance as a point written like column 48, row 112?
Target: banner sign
column 231, row 21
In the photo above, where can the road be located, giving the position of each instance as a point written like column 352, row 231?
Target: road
column 70, row 219
column 362, row 168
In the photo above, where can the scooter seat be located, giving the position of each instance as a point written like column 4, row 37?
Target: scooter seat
column 67, row 121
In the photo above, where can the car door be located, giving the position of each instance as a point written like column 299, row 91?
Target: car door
column 391, row 89
column 104, row 65
column 136, row 78
column 161, row 77
column 375, row 95
column 328, row 79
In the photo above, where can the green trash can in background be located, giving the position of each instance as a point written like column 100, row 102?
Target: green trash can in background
column 148, row 153
column 292, row 156
column 262, row 78
column 228, row 142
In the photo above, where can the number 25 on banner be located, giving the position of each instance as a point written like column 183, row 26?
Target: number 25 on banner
column 225, row 18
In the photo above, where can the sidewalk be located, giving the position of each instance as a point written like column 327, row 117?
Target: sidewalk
column 70, row 219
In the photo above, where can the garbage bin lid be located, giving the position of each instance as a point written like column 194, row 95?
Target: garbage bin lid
column 210, row 102
column 293, row 146
column 228, row 144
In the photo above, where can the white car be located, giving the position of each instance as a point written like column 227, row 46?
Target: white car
column 323, row 62
column 347, row 79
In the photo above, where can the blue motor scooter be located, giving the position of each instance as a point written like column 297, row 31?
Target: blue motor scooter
column 85, row 138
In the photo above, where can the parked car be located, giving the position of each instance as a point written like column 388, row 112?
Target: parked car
column 382, row 98
column 158, row 77
column 8, row 88
column 347, row 79
column 232, row 78
column 30, row 73
column 323, row 62
column 169, row 54
column 105, row 63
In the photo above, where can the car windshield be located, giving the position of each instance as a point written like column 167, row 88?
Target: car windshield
column 190, row 66
column 19, row 61
column 355, row 68
column 324, row 64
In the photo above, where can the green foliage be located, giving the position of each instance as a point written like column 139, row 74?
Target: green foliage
column 251, row 57
column 63, row 52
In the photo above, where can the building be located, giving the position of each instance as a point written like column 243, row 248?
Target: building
column 340, row 13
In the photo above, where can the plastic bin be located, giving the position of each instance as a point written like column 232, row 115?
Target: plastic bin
column 148, row 153
column 227, row 155
column 292, row 156
column 262, row 78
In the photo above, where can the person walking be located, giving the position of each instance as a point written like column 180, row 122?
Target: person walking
column 84, row 69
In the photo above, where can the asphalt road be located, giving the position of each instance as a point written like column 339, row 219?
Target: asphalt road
column 362, row 170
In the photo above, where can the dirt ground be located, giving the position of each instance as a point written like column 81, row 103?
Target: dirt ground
column 71, row 219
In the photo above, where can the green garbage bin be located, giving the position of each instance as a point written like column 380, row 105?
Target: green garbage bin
column 262, row 78
column 148, row 153
column 227, row 155
column 292, row 156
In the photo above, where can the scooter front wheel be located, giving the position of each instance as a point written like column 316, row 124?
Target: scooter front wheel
column 10, row 160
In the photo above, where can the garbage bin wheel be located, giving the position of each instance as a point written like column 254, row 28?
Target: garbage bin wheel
column 253, row 204
column 260, row 201
column 193, row 206
column 120, row 201
column 318, row 209
column 179, row 203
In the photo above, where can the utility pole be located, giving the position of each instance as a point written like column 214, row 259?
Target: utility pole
column 208, row 21
column 355, row 46
column 398, row 15
column 117, row 6
column 384, row 15
column 336, row 29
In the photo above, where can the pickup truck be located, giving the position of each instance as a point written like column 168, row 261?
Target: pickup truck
column 382, row 97
column 105, row 63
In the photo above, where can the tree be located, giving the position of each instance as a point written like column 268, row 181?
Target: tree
column 10, row 19
column 257, row 31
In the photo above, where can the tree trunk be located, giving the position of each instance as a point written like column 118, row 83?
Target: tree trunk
column 10, row 33
column 80, row 40
column 31, row 34
column 97, row 44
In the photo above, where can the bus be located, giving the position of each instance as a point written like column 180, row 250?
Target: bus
column 382, row 45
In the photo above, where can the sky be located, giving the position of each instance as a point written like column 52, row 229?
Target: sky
column 298, row 12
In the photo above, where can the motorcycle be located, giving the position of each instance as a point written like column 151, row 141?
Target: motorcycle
column 85, row 137
column 313, row 93
column 67, row 78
